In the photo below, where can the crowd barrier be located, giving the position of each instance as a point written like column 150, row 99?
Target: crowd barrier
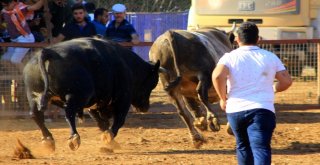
column 301, row 58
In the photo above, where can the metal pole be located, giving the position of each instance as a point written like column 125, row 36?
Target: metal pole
column 318, row 70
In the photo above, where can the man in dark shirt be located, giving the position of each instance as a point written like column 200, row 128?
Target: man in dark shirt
column 120, row 30
column 101, row 17
column 80, row 27
column 60, row 14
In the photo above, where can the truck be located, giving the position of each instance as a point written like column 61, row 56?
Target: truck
column 276, row 19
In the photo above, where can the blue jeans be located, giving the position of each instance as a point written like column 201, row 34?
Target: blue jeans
column 253, row 131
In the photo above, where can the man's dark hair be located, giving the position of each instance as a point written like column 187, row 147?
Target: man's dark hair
column 99, row 12
column 90, row 7
column 77, row 7
column 248, row 33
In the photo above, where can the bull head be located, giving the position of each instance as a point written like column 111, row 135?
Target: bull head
column 141, row 100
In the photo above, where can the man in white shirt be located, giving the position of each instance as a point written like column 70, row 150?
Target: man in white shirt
column 244, row 81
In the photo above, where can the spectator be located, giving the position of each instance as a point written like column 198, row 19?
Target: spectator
column 90, row 8
column 38, row 27
column 79, row 27
column 101, row 18
column 250, row 72
column 120, row 30
column 61, row 14
column 15, row 14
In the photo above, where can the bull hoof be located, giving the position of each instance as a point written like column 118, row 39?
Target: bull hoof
column 213, row 123
column 48, row 143
column 201, row 123
column 74, row 142
column 198, row 141
column 108, row 138
column 229, row 130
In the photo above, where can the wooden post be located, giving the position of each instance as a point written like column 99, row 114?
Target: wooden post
column 47, row 17
column 318, row 70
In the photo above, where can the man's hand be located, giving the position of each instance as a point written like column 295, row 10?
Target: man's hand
column 135, row 39
column 223, row 105
column 57, row 39
column 284, row 81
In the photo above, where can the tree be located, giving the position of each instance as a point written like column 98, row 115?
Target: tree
column 147, row 5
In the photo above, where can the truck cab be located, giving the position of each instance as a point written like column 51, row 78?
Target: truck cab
column 276, row 19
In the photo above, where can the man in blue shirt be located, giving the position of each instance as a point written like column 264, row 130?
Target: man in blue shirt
column 79, row 27
column 101, row 18
column 120, row 30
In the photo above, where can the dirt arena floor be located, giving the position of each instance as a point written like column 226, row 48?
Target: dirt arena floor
column 160, row 137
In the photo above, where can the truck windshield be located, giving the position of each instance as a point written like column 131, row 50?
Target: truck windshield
column 247, row 7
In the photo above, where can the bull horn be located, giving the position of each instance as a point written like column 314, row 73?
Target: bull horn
column 162, row 70
column 233, row 28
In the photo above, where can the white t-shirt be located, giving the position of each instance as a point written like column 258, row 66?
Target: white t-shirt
column 252, row 71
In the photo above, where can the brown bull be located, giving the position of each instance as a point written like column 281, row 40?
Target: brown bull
column 187, row 59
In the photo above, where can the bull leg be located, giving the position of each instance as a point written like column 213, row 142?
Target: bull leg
column 102, row 122
column 202, row 89
column 187, row 117
column 192, row 105
column 47, row 139
column 73, row 106
column 38, row 117
column 120, row 110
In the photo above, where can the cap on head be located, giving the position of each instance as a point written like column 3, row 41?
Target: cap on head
column 119, row 8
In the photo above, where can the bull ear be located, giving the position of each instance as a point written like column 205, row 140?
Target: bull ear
column 156, row 66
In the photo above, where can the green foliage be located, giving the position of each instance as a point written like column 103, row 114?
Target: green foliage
column 147, row 5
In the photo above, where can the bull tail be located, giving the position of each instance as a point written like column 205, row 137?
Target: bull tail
column 44, row 96
column 173, row 47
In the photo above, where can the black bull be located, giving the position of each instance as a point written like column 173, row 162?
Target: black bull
column 88, row 73
column 187, row 60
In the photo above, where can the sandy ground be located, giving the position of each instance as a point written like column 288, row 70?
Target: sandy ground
column 160, row 137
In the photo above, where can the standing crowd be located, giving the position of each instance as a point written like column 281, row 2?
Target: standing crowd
column 25, row 22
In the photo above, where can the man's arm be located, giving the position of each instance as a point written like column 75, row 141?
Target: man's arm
column 36, row 6
column 57, row 39
column 284, row 81
column 219, row 79
column 134, row 35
